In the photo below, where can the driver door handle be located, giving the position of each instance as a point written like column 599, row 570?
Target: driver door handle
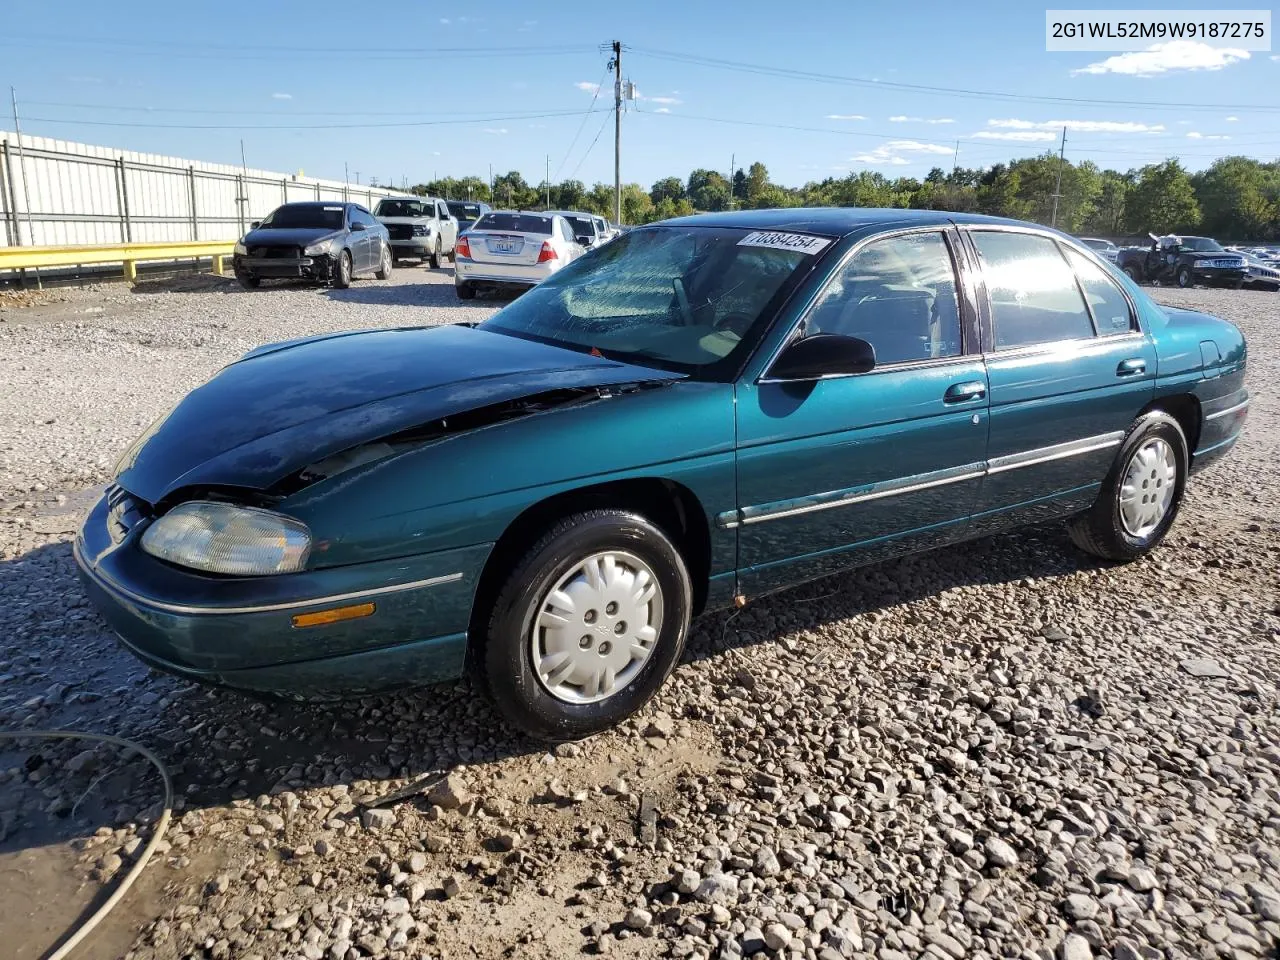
column 963, row 392
column 1131, row 367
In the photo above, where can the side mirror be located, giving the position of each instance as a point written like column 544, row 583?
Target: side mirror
column 586, row 240
column 823, row 355
column 254, row 225
column 358, row 226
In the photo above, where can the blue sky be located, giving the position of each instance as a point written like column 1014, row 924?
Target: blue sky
column 260, row 71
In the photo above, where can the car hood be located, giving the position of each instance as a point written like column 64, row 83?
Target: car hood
column 288, row 236
column 1210, row 255
column 385, row 220
column 285, row 406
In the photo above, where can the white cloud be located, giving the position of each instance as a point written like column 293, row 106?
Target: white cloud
column 1276, row 56
column 902, row 119
column 845, row 116
column 667, row 100
column 495, row 129
column 1184, row 123
column 588, row 86
column 1084, row 126
column 1021, row 136
column 282, row 96
column 1233, row 119
column 1167, row 57
column 1196, row 135
column 445, row 21
column 663, row 110
column 891, row 152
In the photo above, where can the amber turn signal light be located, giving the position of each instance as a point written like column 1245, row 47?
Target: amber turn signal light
column 336, row 615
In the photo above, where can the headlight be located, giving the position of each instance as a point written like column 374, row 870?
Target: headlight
column 421, row 230
column 241, row 249
column 224, row 538
column 318, row 249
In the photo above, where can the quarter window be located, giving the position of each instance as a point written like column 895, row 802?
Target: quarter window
column 1034, row 297
column 898, row 294
column 1110, row 308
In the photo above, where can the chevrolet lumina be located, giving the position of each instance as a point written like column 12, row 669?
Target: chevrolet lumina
column 326, row 242
column 695, row 414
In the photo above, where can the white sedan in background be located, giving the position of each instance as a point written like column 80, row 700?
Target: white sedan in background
column 514, row 250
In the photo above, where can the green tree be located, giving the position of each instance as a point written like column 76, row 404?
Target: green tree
column 666, row 208
column 569, row 195
column 636, row 205
column 668, row 188
column 1162, row 200
column 1239, row 198
column 739, row 184
column 1107, row 216
column 757, row 183
column 511, row 190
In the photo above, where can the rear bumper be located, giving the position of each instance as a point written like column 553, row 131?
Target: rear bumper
column 1221, row 426
column 467, row 270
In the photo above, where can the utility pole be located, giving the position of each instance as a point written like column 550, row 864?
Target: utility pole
column 26, row 190
column 955, row 161
column 1057, row 191
column 617, row 131
column 733, row 162
column 491, row 196
column 548, row 181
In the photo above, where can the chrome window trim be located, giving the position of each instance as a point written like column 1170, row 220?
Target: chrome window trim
column 1053, row 346
column 781, row 509
column 940, row 228
column 887, row 368
column 112, row 586
column 1227, row 412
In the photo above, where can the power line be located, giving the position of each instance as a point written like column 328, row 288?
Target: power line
column 283, row 112
column 284, row 52
column 574, row 142
column 590, row 147
column 304, row 126
column 807, row 75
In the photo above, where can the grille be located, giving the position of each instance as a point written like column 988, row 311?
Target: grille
column 274, row 253
column 123, row 512
column 400, row 231
column 1227, row 263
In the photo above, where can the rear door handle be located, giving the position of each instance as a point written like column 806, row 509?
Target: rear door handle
column 962, row 392
column 1130, row 367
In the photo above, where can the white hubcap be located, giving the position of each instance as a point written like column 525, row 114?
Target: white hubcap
column 1147, row 489
column 596, row 628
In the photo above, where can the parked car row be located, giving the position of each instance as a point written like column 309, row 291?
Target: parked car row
column 330, row 243
column 1188, row 261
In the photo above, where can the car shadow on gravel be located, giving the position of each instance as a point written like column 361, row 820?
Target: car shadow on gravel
column 65, row 670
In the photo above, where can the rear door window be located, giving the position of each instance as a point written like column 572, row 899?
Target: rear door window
column 1033, row 292
column 1110, row 307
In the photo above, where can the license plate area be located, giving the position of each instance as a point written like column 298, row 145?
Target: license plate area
column 508, row 246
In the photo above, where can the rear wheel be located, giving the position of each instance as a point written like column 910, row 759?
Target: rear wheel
column 249, row 282
column 465, row 291
column 384, row 265
column 1134, row 273
column 1185, row 277
column 342, row 276
column 1140, row 497
column 434, row 261
column 587, row 625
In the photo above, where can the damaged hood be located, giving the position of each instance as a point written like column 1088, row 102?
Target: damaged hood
column 285, row 406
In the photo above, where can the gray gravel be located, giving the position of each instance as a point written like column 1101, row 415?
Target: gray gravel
column 991, row 751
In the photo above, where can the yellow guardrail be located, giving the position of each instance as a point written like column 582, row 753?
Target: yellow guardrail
column 129, row 254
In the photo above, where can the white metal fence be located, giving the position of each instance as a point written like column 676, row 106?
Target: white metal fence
column 56, row 192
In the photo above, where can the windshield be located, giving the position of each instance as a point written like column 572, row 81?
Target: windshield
column 1201, row 245
column 1098, row 244
column 306, row 215
column 464, row 211
column 515, row 223
column 690, row 299
column 405, row 208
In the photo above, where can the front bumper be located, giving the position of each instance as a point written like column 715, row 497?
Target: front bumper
column 1214, row 276
column 306, row 268
column 414, row 247
column 238, row 631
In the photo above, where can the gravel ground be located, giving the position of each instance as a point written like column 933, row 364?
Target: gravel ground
column 997, row 750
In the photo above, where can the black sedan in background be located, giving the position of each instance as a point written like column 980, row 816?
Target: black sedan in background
column 326, row 242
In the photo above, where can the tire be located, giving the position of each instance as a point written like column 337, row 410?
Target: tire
column 342, row 279
column 434, row 260
column 570, row 702
column 1186, row 278
column 1104, row 530
column 465, row 291
column 1134, row 273
column 384, row 265
column 248, row 282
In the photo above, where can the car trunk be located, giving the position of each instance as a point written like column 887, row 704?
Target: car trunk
column 494, row 246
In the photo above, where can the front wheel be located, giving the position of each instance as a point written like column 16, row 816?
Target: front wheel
column 384, row 266
column 587, row 626
column 1185, row 277
column 1140, row 497
column 249, row 282
column 434, row 262
column 1134, row 273
column 342, row 277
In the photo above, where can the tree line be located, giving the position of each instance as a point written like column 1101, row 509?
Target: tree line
column 1237, row 199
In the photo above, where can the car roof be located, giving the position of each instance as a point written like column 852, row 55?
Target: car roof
column 570, row 213
column 423, row 199
column 527, row 213
column 320, row 203
column 836, row 221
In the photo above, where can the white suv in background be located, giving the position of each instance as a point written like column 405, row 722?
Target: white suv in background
column 420, row 227
column 512, row 249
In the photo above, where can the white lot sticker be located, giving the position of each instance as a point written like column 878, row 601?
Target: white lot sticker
column 335, row 209
column 784, row 241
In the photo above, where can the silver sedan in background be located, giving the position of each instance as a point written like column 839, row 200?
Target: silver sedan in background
column 515, row 250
